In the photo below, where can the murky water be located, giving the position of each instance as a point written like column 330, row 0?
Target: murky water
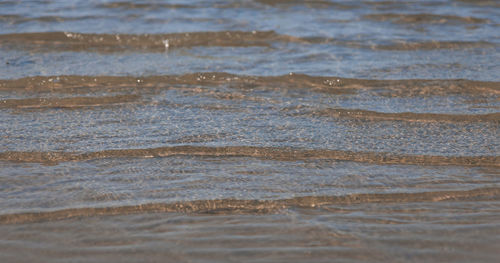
column 274, row 131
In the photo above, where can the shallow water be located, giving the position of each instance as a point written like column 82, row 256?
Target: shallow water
column 275, row 131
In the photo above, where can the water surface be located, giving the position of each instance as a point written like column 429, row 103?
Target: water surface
column 274, row 131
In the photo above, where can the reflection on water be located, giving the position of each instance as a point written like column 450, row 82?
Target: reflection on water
column 249, row 130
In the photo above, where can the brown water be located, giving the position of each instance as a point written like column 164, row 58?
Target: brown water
column 229, row 131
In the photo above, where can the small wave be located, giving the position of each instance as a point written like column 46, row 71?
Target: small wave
column 492, row 3
column 256, row 4
column 235, row 206
column 269, row 153
column 147, row 6
column 108, row 43
column 73, row 102
column 425, row 19
column 333, row 85
column 17, row 19
column 69, row 41
column 398, row 45
column 432, row 45
column 307, row 3
column 407, row 116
